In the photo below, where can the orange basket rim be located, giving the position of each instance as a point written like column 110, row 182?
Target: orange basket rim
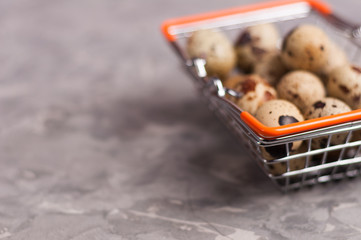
column 299, row 127
column 166, row 26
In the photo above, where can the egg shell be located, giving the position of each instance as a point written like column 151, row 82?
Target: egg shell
column 215, row 48
column 277, row 113
column 336, row 58
column 302, row 88
column 306, row 47
column 270, row 68
column 233, row 80
column 255, row 43
column 345, row 83
column 256, row 91
column 322, row 108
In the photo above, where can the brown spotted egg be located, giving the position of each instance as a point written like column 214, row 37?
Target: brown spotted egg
column 322, row 108
column 345, row 83
column 233, row 80
column 215, row 48
column 254, row 44
column 270, row 68
column 336, row 58
column 277, row 113
column 306, row 47
column 302, row 88
column 255, row 92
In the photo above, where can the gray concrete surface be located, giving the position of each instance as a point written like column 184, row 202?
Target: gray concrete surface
column 102, row 136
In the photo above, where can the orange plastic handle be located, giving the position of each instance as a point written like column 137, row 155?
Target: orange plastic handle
column 274, row 132
column 167, row 25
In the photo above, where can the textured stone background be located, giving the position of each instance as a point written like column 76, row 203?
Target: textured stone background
column 102, row 136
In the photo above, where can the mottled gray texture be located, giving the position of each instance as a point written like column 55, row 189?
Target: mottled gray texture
column 102, row 136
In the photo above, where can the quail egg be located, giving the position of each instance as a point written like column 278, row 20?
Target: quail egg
column 277, row 113
column 254, row 43
column 345, row 83
column 302, row 88
column 322, row 108
column 233, row 80
column 215, row 48
column 336, row 58
column 270, row 68
column 255, row 91
column 306, row 47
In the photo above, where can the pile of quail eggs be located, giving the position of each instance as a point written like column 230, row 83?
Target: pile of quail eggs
column 307, row 77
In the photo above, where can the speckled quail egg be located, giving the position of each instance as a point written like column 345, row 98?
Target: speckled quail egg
column 254, row 43
column 322, row 108
column 302, row 88
column 233, row 80
column 345, row 83
column 294, row 164
column 306, row 47
column 336, row 58
column 277, row 113
column 255, row 91
column 270, row 68
column 215, row 48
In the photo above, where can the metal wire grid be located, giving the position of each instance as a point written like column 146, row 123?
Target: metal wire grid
column 332, row 162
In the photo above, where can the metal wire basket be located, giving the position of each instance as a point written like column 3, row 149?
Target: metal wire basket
column 332, row 162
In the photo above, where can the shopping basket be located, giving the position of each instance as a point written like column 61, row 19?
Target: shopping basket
column 332, row 162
